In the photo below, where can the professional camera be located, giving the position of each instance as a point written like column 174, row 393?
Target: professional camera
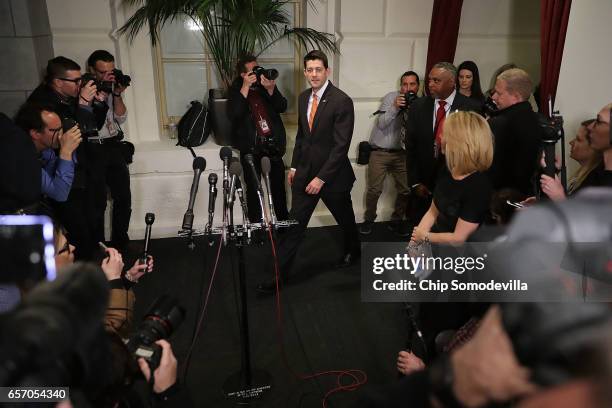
column 163, row 318
column 409, row 97
column 102, row 86
column 107, row 86
column 270, row 73
column 552, row 132
column 121, row 79
column 86, row 130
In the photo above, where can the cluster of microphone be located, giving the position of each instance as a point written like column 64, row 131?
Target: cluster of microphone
column 231, row 187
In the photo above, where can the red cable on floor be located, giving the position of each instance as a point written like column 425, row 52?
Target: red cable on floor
column 359, row 377
column 203, row 312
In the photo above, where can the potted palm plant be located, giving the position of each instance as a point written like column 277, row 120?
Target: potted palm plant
column 229, row 29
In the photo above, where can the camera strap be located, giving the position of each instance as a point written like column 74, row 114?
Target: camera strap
column 259, row 114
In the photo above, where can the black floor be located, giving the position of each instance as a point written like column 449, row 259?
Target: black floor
column 325, row 325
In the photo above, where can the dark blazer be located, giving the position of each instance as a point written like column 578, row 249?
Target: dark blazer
column 517, row 145
column 243, row 128
column 323, row 152
column 21, row 175
column 422, row 166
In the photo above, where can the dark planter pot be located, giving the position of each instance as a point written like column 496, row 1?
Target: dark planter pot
column 221, row 125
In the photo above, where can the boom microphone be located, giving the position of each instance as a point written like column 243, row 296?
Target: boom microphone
column 251, row 163
column 199, row 164
column 226, row 155
column 235, row 172
column 249, row 160
column 265, row 169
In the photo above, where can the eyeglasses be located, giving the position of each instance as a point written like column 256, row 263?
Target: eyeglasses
column 75, row 80
column 55, row 130
column 65, row 248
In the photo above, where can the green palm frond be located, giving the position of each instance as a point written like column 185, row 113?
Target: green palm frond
column 229, row 27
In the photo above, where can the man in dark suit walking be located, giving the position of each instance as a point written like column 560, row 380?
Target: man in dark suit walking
column 320, row 168
column 424, row 132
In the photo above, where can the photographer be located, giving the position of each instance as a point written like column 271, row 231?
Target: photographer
column 72, row 99
column 44, row 126
column 388, row 156
column 254, row 107
column 108, row 164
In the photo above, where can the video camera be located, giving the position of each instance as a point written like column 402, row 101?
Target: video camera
column 269, row 73
column 162, row 319
column 552, row 132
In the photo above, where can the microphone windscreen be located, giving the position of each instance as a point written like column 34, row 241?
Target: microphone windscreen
column 265, row 165
column 149, row 218
column 225, row 153
column 199, row 163
column 212, row 178
column 235, row 169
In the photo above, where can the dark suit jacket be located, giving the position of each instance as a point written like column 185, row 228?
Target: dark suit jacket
column 323, row 151
column 422, row 166
column 20, row 169
column 517, row 145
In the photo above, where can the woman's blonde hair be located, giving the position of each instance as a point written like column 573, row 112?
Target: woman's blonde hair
column 469, row 143
column 582, row 173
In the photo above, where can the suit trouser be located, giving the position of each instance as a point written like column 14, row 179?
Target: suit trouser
column 341, row 207
column 76, row 215
column 108, row 168
column 277, row 187
column 381, row 164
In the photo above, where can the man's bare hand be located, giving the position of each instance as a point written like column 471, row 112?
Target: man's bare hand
column 165, row 374
column 400, row 101
column 69, row 141
column 88, row 91
column 314, row 187
column 248, row 79
column 268, row 84
column 290, row 177
column 408, row 363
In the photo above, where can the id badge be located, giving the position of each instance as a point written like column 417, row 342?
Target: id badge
column 263, row 125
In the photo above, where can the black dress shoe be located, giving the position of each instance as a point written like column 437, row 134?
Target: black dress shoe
column 347, row 260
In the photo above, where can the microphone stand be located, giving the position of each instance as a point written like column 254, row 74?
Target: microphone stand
column 248, row 383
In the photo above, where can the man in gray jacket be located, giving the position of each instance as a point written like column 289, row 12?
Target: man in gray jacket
column 388, row 155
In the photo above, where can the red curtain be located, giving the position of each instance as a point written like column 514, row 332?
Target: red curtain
column 443, row 33
column 554, row 17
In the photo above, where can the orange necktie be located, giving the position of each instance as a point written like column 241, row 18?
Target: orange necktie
column 313, row 110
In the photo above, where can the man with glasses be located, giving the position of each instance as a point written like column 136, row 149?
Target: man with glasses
column 71, row 99
column 45, row 129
